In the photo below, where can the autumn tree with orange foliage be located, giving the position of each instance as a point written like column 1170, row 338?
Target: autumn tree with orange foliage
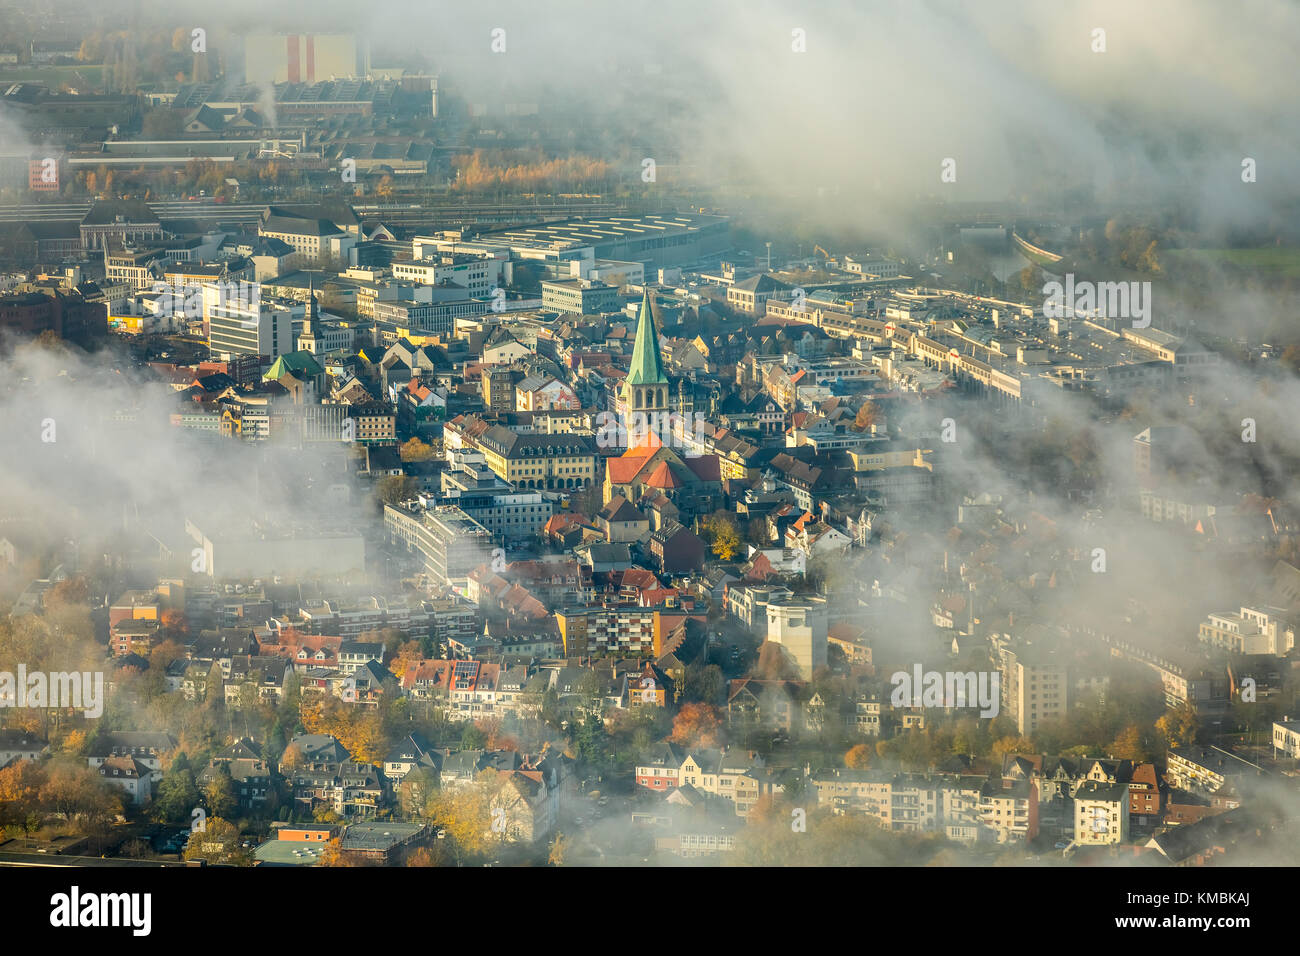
column 164, row 655
column 331, row 854
column 218, row 842
column 407, row 656
column 78, row 793
column 866, row 417
column 68, row 591
column 360, row 732
column 434, row 855
column 858, row 757
column 20, row 788
column 768, row 808
column 478, row 174
column 497, row 738
column 1013, row 745
column 292, row 758
column 697, row 724
column 173, row 622
column 1129, row 745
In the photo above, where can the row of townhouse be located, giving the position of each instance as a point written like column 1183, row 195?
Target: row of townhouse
column 469, row 689
column 965, row 808
column 133, row 762
column 791, row 706
column 739, row 776
column 374, row 613
column 1098, row 801
column 472, row 689
column 533, row 788
column 246, row 671
column 322, row 773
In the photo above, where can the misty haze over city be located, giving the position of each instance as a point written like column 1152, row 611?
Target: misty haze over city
column 947, row 516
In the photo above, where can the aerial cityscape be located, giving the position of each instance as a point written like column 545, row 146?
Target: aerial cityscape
column 577, row 435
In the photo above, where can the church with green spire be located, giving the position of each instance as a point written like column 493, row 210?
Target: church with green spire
column 646, row 387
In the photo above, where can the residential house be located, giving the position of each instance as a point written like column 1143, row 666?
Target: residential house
column 769, row 704
column 17, row 744
column 1101, row 814
column 1207, row 769
column 129, row 775
column 149, row 749
column 675, row 549
column 249, row 774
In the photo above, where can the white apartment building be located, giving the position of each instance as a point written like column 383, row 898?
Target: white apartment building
column 244, row 324
column 1101, row 813
column 1035, row 687
column 1286, row 737
column 479, row 276
column 1275, row 625
column 800, row 626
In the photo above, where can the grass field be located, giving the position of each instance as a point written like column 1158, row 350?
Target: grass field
column 85, row 77
column 1274, row 261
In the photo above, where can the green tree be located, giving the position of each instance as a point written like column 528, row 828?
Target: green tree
column 590, row 689
column 464, row 814
column 178, row 794
column 291, row 700
column 219, row 794
column 1179, row 727
column 703, row 682
column 551, row 707
column 417, row 793
column 214, row 693
column 1128, row 745
column 217, row 842
column 592, row 742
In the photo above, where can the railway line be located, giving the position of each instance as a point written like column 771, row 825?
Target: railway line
column 371, row 212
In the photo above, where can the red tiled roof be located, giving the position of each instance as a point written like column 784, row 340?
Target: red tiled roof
column 638, row 578
column 623, row 469
column 438, row 672
column 760, row 569
column 663, row 477
column 557, row 524
column 844, row 631
column 705, row 467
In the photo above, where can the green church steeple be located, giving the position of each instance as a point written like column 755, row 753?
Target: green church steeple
column 646, row 387
column 646, row 368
